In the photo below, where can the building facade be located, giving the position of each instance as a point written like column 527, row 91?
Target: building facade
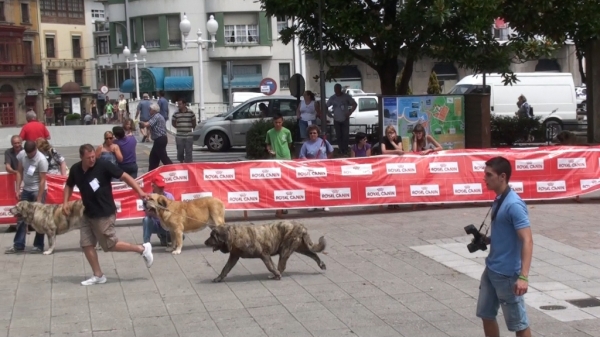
column 67, row 49
column 359, row 75
column 245, row 36
column 21, row 76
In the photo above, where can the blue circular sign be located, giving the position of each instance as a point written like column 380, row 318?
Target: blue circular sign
column 268, row 86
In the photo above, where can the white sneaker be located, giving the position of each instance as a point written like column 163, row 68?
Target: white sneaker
column 147, row 254
column 94, row 280
column 311, row 210
column 326, row 209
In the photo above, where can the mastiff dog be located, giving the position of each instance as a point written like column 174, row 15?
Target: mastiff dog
column 262, row 242
column 180, row 217
column 49, row 219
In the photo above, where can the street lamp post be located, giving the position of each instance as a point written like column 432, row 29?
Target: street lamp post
column 135, row 61
column 211, row 26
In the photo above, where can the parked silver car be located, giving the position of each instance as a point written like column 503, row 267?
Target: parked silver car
column 229, row 129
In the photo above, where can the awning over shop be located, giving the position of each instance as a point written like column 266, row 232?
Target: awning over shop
column 179, row 83
column 151, row 80
column 243, row 81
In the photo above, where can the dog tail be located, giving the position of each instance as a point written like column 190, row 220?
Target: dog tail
column 319, row 247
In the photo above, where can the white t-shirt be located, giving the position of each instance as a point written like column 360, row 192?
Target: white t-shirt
column 308, row 112
column 32, row 169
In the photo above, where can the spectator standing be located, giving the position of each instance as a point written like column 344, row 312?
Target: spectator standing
column 49, row 114
column 129, row 127
column 362, row 148
column 33, row 129
column 163, row 103
column 122, row 110
column 315, row 148
column 127, row 145
column 184, row 121
column 11, row 163
column 151, row 222
column 109, row 151
column 31, row 171
column 56, row 162
column 94, row 113
column 343, row 106
column 108, row 112
column 279, row 142
column 158, row 132
column 307, row 113
column 93, row 178
column 143, row 115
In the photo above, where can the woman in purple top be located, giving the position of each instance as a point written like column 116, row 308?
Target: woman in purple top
column 361, row 148
column 127, row 144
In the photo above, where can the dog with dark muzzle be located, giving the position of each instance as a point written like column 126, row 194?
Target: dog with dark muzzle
column 281, row 238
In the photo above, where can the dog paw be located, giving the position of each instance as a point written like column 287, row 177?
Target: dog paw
column 275, row 277
column 323, row 266
column 176, row 252
column 217, row 280
column 48, row 252
column 168, row 249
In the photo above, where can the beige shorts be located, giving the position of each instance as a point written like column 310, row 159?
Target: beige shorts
column 98, row 230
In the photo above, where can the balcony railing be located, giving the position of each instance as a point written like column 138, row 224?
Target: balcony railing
column 20, row 69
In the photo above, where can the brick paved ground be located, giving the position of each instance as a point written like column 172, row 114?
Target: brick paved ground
column 383, row 279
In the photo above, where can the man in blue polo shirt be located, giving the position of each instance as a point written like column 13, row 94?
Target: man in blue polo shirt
column 505, row 278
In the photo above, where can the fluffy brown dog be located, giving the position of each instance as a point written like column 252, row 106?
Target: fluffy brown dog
column 49, row 219
column 179, row 217
column 262, row 242
column 566, row 138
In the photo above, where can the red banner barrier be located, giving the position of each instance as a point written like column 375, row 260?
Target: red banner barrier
column 447, row 177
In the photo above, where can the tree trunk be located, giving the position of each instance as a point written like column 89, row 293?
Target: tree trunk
column 387, row 76
column 580, row 55
column 593, row 90
column 407, row 72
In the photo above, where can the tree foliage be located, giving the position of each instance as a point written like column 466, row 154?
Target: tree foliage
column 433, row 87
column 378, row 32
column 574, row 20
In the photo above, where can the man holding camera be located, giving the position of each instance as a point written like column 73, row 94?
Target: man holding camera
column 504, row 281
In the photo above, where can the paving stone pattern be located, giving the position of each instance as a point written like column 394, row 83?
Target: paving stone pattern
column 377, row 283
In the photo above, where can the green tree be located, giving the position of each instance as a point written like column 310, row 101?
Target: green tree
column 455, row 30
column 433, row 87
column 560, row 21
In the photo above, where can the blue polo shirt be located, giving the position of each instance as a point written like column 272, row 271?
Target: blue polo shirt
column 505, row 250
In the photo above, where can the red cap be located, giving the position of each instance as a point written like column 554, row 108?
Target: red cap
column 159, row 181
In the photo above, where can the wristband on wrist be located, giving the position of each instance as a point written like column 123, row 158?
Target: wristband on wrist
column 521, row 277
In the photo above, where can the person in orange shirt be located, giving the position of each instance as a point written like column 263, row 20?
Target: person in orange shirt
column 34, row 129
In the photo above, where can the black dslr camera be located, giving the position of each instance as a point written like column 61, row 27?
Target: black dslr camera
column 478, row 242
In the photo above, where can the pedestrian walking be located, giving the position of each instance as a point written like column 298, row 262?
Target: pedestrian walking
column 158, row 133
column 93, row 178
column 34, row 129
column 143, row 115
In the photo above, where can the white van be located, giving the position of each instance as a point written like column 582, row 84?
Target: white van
column 552, row 96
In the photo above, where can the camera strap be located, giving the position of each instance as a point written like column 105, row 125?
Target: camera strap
column 499, row 203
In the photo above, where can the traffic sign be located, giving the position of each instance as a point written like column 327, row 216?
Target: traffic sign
column 104, row 89
column 297, row 85
column 268, row 86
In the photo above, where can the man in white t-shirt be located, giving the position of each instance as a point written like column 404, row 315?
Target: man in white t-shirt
column 32, row 170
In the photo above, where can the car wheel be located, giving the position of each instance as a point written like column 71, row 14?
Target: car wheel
column 553, row 128
column 217, row 141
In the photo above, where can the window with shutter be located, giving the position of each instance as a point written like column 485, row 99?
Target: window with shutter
column 173, row 30
column 151, row 33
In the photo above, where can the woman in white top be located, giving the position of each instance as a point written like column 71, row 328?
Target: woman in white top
column 423, row 143
column 122, row 108
column 307, row 113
